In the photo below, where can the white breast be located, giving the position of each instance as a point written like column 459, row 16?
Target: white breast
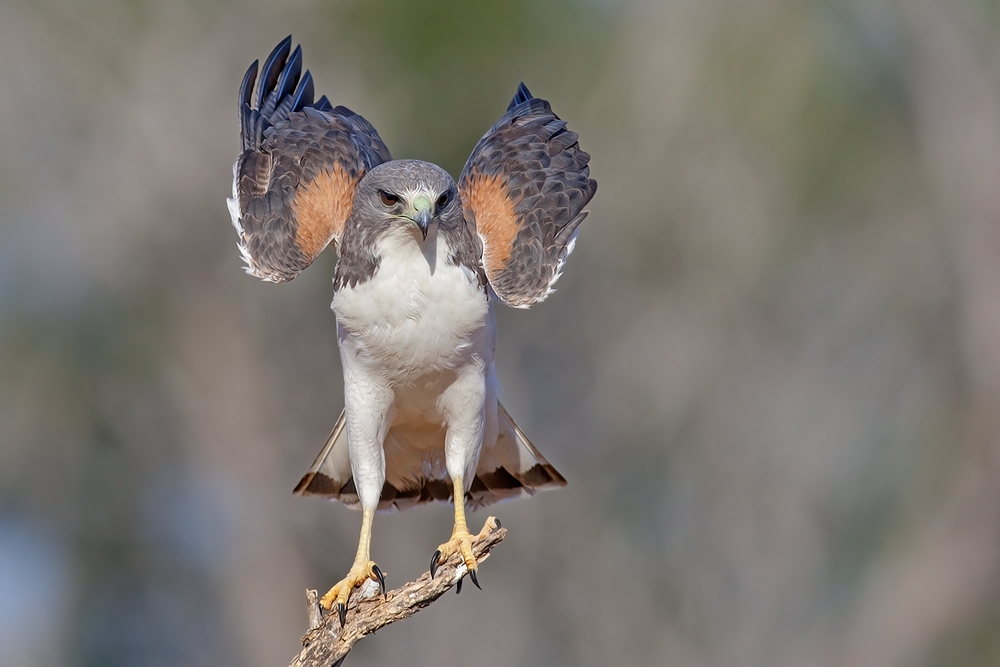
column 418, row 315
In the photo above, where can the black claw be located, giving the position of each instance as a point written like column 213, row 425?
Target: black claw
column 458, row 588
column 381, row 579
column 475, row 579
column 342, row 613
column 434, row 562
column 497, row 521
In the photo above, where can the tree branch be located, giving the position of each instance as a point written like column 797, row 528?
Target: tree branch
column 327, row 644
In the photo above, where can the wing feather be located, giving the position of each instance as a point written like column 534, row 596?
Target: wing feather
column 524, row 189
column 301, row 162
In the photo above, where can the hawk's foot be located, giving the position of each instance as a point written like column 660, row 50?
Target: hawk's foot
column 461, row 543
column 360, row 572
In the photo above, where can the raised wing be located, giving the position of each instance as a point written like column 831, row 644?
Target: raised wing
column 295, row 179
column 524, row 189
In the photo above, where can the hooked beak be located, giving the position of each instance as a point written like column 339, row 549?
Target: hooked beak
column 422, row 214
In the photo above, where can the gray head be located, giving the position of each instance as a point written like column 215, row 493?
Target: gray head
column 407, row 192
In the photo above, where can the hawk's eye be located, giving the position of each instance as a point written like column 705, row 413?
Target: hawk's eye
column 388, row 199
column 443, row 200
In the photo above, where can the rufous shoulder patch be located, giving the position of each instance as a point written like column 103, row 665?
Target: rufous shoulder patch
column 321, row 209
column 495, row 218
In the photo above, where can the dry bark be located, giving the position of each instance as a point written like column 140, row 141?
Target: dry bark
column 326, row 644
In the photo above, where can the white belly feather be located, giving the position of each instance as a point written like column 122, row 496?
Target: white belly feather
column 417, row 323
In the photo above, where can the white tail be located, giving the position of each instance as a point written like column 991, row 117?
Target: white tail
column 510, row 468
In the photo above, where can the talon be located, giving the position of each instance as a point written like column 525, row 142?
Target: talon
column 497, row 522
column 381, row 579
column 461, row 543
column 340, row 594
column 458, row 588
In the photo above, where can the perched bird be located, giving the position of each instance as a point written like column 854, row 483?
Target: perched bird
column 422, row 261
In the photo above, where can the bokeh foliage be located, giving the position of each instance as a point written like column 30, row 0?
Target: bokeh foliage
column 770, row 371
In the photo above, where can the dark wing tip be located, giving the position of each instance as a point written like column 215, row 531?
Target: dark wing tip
column 283, row 86
column 272, row 68
column 522, row 95
column 304, row 93
column 290, row 73
column 323, row 104
column 246, row 88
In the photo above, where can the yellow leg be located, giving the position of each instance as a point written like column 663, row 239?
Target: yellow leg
column 461, row 540
column 363, row 569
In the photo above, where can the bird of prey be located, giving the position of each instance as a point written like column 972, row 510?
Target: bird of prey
column 422, row 261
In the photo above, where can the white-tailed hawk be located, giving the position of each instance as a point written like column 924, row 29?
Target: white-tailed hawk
column 422, row 261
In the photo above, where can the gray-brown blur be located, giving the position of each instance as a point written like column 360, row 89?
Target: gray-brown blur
column 771, row 372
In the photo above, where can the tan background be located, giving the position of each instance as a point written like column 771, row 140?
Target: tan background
column 771, row 373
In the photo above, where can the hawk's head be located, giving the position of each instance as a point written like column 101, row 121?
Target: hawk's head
column 407, row 193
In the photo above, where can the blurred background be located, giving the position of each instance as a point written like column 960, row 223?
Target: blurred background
column 771, row 373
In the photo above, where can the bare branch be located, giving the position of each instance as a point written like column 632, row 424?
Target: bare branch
column 326, row 643
column 313, row 611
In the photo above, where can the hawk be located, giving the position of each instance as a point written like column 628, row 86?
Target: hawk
column 422, row 260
